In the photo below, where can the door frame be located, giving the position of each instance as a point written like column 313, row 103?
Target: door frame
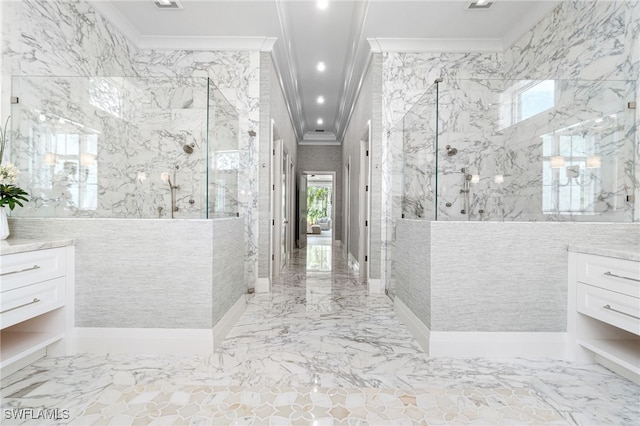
column 275, row 208
column 346, row 229
column 333, row 198
column 364, row 209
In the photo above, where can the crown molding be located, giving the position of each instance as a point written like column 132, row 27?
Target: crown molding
column 436, row 45
column 113, row 15
column 319, row 142
column 262, row 44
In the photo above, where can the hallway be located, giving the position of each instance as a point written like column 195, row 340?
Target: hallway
column 317, row 350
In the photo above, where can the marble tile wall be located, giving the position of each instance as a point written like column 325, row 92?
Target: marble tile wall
column 607, row 54
column 479, row 282
column 228, row 265
column 472, row 110
column 466, row 276
column 119, row 263
column 87, row 45
column 411, row 273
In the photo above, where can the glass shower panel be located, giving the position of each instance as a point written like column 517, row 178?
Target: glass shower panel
column 129, row 147
column 536, row 150
column 224, row 156
column 418, row 160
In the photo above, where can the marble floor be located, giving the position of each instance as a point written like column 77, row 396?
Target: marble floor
column 317, row 350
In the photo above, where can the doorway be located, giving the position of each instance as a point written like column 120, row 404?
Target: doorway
column 320, row 206
column 282, row 205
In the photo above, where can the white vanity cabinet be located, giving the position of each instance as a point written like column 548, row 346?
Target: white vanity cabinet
column 36, row 301
column 604, row 308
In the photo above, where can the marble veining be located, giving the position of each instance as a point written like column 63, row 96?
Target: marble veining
column 319, row 348
column 153, row 104
column 20, row 245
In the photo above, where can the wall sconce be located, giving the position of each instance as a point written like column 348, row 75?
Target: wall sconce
column 164, row 176
column 87, row 159
column 557, row 162
column 50, row 159
column 475, row 178
column 498, row 179
column 594, row 162
column 142, row 176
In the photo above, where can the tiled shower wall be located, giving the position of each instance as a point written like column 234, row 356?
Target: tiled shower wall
column 608, row 50
column 472, row 116
column 60, row 38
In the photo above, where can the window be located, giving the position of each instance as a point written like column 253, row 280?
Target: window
column 535, row 98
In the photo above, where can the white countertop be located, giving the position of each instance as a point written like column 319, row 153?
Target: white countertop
column 17, row 245
column 620, row 252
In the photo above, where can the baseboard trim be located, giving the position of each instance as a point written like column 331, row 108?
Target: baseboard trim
column 143, row 340
column 471, row 344
column 263, row 285
column 499, row 344
column 375, row 286
column 416, row 327
column 226, row 323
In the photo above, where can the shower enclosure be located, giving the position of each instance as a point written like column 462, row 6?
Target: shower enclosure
column 512, row 161
column 506, row 150
column 125, row 147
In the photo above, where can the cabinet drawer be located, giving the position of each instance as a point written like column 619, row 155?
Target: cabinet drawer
column 613, row 308
column 619, row 275
column 29, row 301
column 21, row 269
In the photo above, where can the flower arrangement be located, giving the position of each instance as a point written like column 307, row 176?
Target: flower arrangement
column 10, row 194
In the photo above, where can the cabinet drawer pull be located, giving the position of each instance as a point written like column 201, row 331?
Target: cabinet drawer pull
column 33, row 268
column 35, row 300
column 620, row 276
column 620, row 312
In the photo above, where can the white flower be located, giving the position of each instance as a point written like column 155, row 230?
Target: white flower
column 8, row 174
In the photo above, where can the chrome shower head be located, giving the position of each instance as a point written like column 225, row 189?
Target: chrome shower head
column 451, row 151
column 188, row 148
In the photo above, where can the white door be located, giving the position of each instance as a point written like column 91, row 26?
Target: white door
column 302, row 211
column 285, row 210
column 346, row 229
column 365, row 200
column 277, row 217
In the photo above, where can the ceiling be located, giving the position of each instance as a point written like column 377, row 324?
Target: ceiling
column 341, row 36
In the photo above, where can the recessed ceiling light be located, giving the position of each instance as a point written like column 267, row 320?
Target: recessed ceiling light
column 322, row 4
column 480, row 4
column 321, row 66
column 168, row 4
column 320, row 121
column 320, row 99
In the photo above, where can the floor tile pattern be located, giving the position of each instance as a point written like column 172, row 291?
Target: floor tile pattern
column 316, row 350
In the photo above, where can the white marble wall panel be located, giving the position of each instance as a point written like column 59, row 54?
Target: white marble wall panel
column 55, row 38
column 579, row 40
column 142, row 273
column 63, row 38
